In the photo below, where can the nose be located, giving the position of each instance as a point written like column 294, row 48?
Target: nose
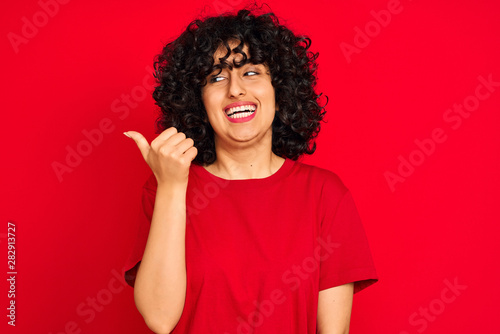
column 236, row 86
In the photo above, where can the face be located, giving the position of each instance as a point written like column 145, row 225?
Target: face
column 249, row 85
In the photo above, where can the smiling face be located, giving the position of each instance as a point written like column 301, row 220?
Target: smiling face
column 249, row 86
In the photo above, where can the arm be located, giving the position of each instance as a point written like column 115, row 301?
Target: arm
column 334, row 309
column 160, row 286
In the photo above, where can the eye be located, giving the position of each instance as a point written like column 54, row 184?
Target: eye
column 213, row 79
column 252, row 72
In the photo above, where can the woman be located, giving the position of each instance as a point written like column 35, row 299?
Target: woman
column 237, row 235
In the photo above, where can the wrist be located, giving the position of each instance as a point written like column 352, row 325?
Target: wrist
column 171, row 187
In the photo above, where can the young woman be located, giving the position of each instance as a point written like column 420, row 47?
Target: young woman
column 237, row 235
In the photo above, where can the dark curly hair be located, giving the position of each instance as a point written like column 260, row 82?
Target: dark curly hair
column 183, row 65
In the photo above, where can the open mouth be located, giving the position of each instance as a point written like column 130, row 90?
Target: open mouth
column 241, row 112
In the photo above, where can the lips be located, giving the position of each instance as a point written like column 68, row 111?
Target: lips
column 242, row 119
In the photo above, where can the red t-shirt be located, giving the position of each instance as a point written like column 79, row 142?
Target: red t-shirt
column 258, row 251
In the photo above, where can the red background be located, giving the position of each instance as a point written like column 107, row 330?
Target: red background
column 74, row 233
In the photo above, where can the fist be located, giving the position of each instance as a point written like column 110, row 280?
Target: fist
column 169, row 156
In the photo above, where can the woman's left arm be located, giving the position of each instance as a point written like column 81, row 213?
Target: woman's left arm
column 334, row 309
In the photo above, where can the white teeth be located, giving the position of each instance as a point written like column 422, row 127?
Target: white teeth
column 240, row 108
column 241, row 115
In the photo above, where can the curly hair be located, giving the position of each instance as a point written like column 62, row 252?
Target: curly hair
column 183, row 65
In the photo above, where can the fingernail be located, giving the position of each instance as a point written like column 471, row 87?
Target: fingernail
column 126, row 134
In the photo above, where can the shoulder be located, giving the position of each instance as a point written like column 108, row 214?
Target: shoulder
column 322, row 178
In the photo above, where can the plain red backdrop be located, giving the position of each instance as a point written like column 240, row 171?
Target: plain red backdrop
column 429, row 211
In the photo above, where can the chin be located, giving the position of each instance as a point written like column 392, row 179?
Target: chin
column 244, row 136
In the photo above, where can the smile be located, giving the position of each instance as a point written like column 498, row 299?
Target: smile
column 241, row 114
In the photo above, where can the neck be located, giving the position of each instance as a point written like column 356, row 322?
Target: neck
column 248, row 161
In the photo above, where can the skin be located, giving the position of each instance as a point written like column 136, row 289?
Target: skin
column 244, row 151
column 334, row 309
column 160, row 285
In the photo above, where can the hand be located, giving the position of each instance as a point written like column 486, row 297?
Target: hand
column 169, row 155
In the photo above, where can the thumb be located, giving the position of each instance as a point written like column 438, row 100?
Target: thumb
column 141, row 142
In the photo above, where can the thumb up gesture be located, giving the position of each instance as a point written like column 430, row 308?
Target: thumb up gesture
column 169, row 155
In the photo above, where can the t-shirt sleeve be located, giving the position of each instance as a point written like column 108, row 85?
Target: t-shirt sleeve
column 346, row 255
column 145, row 216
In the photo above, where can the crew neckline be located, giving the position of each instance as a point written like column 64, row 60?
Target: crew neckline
column 284, row 170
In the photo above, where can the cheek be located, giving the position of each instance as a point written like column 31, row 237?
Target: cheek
column 211, row 98
column 268, row 94
column 212, row 106
column 207, row 101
